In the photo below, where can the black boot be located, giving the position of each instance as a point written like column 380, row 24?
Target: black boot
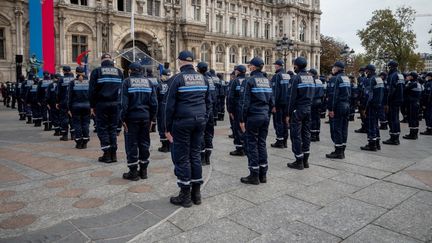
column 208, row 153
column 277, row 144
column 203, row 162
column 413, row 135
column 106, row 157
column 183, row 199
column 371, row 146
column 361, row 130
column 427, row 132
column 351, row 118
column 231, row 136
column 306, row 160
column 298, row 164
column 153, row 127
column 143, row 170
column 313, row 137
column 113, row 154
column 337, row 154
column 220, row 116
column 57, row 133
column 64, row 136
column 38, row 123
column 46, row 126
column 79, row 143
column 84, row 143
column 285, row 143
column 72, row 135
column 49, row 126
column 404, row 120
column 262, row 175
column 393, row 140
column 383, row 126
column 132, row 175
column 252, row 179
column 22, row 117
column 165, row 147
column 29, row 120
column 196, row 194
column 378, row 144
column 238, row 152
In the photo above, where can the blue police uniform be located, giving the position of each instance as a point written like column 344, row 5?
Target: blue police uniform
column 62, row 92
column 354, row 98
column 161, row 90
column 382, row 114
column 256, row 103
column 413, row 92
column 339, row 94
column 315, row 127
column 41, row 96
column 396, row 82
column 301, row 94
column 104, row 94
column 32, row 101
column 374, row 93
column 362, row 84
column 280, row 82
column 427, row 104
column 234, row 109
column 155, row 82
column 20, row 103
column 218, row 87
column 25, row 87
column 187, row 108
column 51, row 99
column 138, row 108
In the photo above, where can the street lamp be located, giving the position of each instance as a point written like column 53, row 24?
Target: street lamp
column 346, row 52
column 385, row 56
column 284, row 46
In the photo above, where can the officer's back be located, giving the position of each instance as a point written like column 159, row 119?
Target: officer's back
column 301, row 89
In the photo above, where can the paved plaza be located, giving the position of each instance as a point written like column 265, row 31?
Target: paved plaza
column 51, row 192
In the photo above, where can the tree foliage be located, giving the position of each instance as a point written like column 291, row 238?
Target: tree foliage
column 392, row 33
column 330, row 53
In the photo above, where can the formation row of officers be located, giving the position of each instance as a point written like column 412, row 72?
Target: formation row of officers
column 187, row 105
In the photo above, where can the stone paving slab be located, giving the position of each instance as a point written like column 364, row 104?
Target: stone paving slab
column 344, row 217
column 373, row 234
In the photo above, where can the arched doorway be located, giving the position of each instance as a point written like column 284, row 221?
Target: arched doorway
column 124, row 62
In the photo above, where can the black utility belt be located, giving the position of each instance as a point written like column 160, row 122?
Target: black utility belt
column 195, row 118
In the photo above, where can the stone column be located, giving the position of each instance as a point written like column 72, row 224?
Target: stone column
column 240, row 54
column 19, row 31
column 227, row 58
column 213, row 55
column 62, row 40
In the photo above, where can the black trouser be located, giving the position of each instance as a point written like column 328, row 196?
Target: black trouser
column 81, row 122
column 394, row 122
column 339, row 124
column 300, row 132
column 413, row 114
column 256, row 135
column 107, row 118
column 137, row 142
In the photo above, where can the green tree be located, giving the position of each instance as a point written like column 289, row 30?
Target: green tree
column 331, row 49
column 392, row 33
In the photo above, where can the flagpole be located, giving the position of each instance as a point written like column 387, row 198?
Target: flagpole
column 133, row 28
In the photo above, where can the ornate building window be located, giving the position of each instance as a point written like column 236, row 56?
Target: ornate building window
column 2, row 44
column 79, row 45
column 267, row 31
column 245, row 10
column 245, row 56
column 257, row 53
column 219, row 54
column 268, row 57
column 245, row 27
column 79, row 2
column 316, row 32
column 233, row 55
column 219, row 4
column 280, row 31
column 124, row 5
column 208, row 22
column 256, row 29
column 153, row 7
column 196, row 5
column 219, row 22
column 302, row 31
column 232, row 7
column 205, row 56
column 232, row 24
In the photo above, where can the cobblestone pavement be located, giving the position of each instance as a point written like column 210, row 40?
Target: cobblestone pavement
column 50, row 192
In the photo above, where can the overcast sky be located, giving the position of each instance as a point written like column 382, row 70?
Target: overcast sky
column 342, row 19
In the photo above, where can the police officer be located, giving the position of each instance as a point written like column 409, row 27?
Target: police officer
column 20, row 103
column 62, row 92
column 234, row 110
column 187, row 109
column 223, row 91
column 382, row 113
column 256, row 104
column 79, row 108
column 218, row 85
column 160, row 92
column 207, row 145
column 316, row 106
column 53, row 112
column 25, row 87
column 280, row 83
column 413, row 92
column 104, row 94
column 362, row 84
column 155, row 81
column 339, row 96
column 301, row 93
column 354, row 97
column 427, row 104
column 32, row 102
column 12, row 93
column 138, row 107
column 396, row 83
column 41, row 97
column 374, row 93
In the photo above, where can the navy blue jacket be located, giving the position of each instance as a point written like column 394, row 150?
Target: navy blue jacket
column 139, row 99
column 318, row 92
column 413, row 91
column 161, row 90
column 42, row 89
column 338, row 91
column 280, row 82
column 374, row 92
column 212, row 91
column 105, row 84
column 355, row 92
column 234, row 94
column 362, row 85
column 31, row 96
column 25, row 87
column 62, row 89
column 427, row 94
column 256, row 97
column 78, row 95
column 396, row 83
column 51, row 95
column 301, row 92
column 188, row 96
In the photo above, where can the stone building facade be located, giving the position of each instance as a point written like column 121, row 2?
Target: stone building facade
column 220, row 32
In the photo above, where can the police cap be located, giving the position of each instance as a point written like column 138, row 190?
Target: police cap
column 313, row 71
column 135, row 66
column 300, row 62
column 202, row 66
column 370, row 67
column 413, row 74
column 392, row 64
column 279, row 62
column 429, row 75
column 106, row 56
column 66, row 69
column 257, row 62
column 241, row 68
column 339, row 64
column 186, row 56
column 79, row 69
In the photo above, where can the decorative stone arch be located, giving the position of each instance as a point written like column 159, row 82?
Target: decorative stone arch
column 258, row 52
column 245, row 54
column 233, row 54
column 154, row 45
column 82, row 29
column 268, row 55
column 205, row 52
column 7, row 25
column 220, row 53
